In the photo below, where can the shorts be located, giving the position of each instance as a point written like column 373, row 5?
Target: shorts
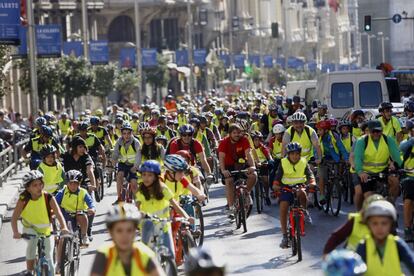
column 126, row 169
column 286, row 196
column 69, row 219
column 370, row 186
column 407, row 184
column 31, row 249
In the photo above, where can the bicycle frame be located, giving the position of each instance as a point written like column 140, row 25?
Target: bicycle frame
column 296, row 210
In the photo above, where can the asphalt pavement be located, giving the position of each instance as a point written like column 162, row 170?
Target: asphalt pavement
column 256, row 252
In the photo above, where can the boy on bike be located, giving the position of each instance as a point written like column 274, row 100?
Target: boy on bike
column 34, row 207
column 124, row 256
column 52, row 170
column 76, row 203
column 293, row 170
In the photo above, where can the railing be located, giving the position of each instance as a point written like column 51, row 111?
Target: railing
column 11, row 160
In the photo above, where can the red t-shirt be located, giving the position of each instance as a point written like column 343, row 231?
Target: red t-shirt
column 233, row 151
column 175, row 146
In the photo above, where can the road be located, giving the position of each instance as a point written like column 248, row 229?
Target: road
column 252, row 253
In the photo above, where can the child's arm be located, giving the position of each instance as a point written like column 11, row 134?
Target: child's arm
column 196, row 191
column 180, row 210
column 309, row 175
column 56, row 210
column 16, row 214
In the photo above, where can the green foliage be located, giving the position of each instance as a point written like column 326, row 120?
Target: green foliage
column 158, row 76
column 104, row 79
column 255, row 74
column 127, row 82
column 4, row 58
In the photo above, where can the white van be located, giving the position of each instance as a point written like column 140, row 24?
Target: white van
column 349, row 90
column 300, row 88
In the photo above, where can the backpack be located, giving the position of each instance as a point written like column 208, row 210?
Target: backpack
column 47, row 197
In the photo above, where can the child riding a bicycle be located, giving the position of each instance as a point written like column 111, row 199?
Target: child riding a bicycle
column 52, row 170
column 34, row 207
column 293, row 170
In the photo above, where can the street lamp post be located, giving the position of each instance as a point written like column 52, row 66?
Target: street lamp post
column 85, row 32
column 259, row 27
column 230, row 27
column 382, row 38
column 138, row 50
column 190, row 46
column 32, row 59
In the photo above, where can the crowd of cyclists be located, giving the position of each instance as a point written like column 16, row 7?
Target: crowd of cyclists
column 161, row 154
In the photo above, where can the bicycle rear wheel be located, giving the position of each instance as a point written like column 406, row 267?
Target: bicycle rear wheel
column 292, row 238
column 199, row 224
column 242, row 213
column 335, row 198
column 258, row 197
column 66, row 258
column 298, row 237
column 328, row 189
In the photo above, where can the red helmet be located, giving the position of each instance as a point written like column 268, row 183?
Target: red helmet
column 326, row 124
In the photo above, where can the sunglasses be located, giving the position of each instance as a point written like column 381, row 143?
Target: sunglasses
column 186, row 135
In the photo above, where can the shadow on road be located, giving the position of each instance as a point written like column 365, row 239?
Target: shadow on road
column 16, row 260
column 269, row 231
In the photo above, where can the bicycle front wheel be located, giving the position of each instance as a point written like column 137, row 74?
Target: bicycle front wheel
column 298, row 237
column 66, row 258
column 188, row 242
column 168, row 265
column 199, row 225
column 336, row 198
column 242, row 212
column 258, row 197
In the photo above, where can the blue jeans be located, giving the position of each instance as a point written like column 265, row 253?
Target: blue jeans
column 149, row 229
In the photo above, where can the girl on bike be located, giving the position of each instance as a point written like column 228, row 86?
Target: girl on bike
column 34, row 207
column 150, row 150
column 124, row 256
column 382, row 251
column 154, row 198
column 293, row 170
column 52, row 169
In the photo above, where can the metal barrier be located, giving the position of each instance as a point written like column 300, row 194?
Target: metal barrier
column 11, row 160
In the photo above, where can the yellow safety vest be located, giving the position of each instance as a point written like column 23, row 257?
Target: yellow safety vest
column 52, row 176
column 347, row 143
column 390, row 263
column 256, row 127
column 359, row 231
column 182, row 120
column 294, row 174
column 391, row 127
column 134, row 126
column 357, row 132
column 375, row 160
column 165, row 133
column 99, row 133
column 118, row 132
column 304, row 141
column 73, row 202
column 127, row 155
column 37, row 145
column 35, row 215
column 64, row 126
column 409, row 163
column 260, row 154
column 270, row 121
column 277, row 149
column 141, row 256
column 176, row 187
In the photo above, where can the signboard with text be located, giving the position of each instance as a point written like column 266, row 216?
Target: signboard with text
column 149, row 57
column 48, row 41
column 73, row 48
column 127, row 57
column 181, row 57
column 200, row 56
column 98, row 52
column 9, row 22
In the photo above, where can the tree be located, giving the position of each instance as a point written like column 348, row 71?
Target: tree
column 77, row 78
column 158, row 75
column 4, row 59
column 104, row 81
column 127, row 83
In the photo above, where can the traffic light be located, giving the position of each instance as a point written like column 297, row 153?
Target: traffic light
column 367, row 23
column 275, row 30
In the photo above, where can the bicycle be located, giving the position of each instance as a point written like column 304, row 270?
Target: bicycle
column 70, row 255
column 110, row 175
column 164, row 256
column 333, row 189
column 296, row 220
column 241, row 199
column 42, row 265
column 183, row 239
column 347, row 185
column 197, row 230
column 259, row 189
column 100, row 190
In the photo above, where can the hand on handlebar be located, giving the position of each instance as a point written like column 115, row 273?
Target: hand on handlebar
column 191, row 220
column 226, row 174
column 251, row 170
column 201, row 197
column 91, row 212
column 364, row 177
column 17, row 236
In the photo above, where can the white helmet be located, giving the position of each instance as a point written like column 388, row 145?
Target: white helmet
column 278, row 128
column 123, row 212
column 299, row 116
column 30, row 176
column 380, row 208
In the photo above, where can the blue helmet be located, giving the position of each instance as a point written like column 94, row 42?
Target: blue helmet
column 45, row 130
column 175, row 163
column 293, row 146
column 94, row 120
column 40, row 122
column 83, row 126
column 186, row 129
column 150, row 166
column 343, row 262
column 409, row 106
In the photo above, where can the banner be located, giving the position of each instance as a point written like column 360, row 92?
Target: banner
column 181, row 57
column 149, row 57
column 343, row 67
column 226, row 59
column 22, row 48
column 312, row 66
column 48, row 41
column 127, row 58
column 9, row 22
column 295, row 63
column 254, row 60
column 73, row 48
column 281, row 61
column 238, row 61
column 268, row 61
column 98, row 52
column 200, row 56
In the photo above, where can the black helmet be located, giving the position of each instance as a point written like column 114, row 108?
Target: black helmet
column 384, row 106
column 83, row 126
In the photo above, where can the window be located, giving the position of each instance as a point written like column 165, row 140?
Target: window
column 370, row 94
column 342, row 95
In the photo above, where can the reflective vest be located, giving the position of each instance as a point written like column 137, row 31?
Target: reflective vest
column 277, row 149
column 118, row 132
column 140, row 258
column 73, row 202
column 134, row 126
column 357, row 132
column 376, row 159
column 176, row 187
column 64, row 126
column 359, row 231
column 127, row 155
column 182, row 120
column 155, row 207
column 304, row 140
column 294, row 174
column 36, row 215
column 256, row 127
column 270, row 121
column 52, row 176
column 333, row 141
column 90, row 140
column 166, row 133
column 409, row 163
column 390, row 128
column 389, row 265
column 99, row 133
column 37, row 145
column 347, row 142
column 260, row 154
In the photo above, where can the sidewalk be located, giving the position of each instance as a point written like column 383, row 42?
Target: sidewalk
column 9, row 193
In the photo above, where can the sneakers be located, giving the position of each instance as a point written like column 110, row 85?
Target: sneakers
column 408, row 235
column 85, row 241
column 285, row 242
column 308, row 218
column 90, row 237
